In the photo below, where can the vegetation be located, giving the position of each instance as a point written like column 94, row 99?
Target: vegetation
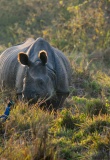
column 81, row 29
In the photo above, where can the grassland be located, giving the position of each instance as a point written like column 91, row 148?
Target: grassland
column 81, row 130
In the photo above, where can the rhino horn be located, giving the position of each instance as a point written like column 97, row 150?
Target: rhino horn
column 43, row 56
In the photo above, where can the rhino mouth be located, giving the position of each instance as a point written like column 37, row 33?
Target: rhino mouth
column 39, row 100
column 33, row 100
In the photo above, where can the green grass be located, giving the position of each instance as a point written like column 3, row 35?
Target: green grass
column 38, row 134
column 81, row 131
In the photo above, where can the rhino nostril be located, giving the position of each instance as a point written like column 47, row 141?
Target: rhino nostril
column 33, row 94
column 37, row 95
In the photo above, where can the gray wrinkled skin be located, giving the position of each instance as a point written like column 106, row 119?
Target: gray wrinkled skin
column 46, row 77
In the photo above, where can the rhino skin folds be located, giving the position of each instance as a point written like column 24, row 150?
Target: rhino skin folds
column 36, row 70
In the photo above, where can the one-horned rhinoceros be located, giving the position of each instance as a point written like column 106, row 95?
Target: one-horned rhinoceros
column 36, row 70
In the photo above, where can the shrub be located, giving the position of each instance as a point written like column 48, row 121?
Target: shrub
column 95, row 107
column 69, row 121
column 96, row 126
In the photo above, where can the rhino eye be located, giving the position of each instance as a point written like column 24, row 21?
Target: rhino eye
column 40, row 82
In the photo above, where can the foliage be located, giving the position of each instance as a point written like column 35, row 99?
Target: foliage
column 81, row 29
column 71, row 26
column 32, row 133
column 96, row 107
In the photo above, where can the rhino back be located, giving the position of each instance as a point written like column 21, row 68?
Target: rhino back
column 9, row 65
column 63, row 71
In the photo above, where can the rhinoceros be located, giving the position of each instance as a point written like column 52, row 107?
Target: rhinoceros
column 36, row 70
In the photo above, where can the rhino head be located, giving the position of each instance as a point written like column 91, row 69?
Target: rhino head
column 38, row 82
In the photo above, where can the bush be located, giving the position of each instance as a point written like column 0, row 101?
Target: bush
column 95, row 107
column 69, row 121
column 96, row 126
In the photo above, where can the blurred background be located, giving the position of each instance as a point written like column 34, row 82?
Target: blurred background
column 72, row 26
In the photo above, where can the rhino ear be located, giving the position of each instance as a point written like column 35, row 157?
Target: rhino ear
column 23, row 59
column 43, row 56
